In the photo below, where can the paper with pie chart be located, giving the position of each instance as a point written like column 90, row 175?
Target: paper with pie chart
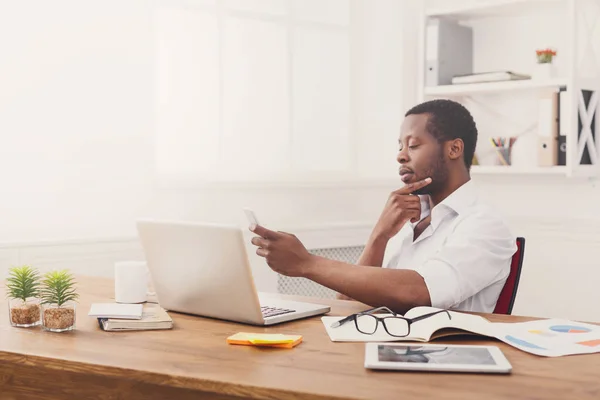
column 545, row 337
column 551, row 337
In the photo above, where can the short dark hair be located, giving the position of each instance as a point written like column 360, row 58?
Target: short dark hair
column 449, row 120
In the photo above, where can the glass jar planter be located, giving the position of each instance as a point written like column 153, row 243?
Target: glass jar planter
column 58, row 318
column 24, row 314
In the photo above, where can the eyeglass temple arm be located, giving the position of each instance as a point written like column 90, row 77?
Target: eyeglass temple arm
column 420, row 317
column 382, row 308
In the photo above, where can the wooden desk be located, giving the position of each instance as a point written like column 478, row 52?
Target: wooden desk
column 194, row 361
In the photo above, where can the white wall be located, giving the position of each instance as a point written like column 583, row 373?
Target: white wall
column 76, row 160
column 75, row 118
column 77, row 125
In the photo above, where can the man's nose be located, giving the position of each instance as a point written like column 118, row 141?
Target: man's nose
column 402, row 156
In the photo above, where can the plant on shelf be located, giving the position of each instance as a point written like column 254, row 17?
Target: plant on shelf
column 545, row 56
column 22, row 289
column 544, row 68
column 58, row 297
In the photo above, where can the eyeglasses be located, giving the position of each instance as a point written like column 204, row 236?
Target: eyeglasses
column 395, row 325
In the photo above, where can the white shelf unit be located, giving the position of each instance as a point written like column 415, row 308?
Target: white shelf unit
column 494, row 87
column 580, row 39
column 558, row 170
column 461, row 10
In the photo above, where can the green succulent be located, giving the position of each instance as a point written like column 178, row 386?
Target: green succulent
column 58, row 287
column 23, row 282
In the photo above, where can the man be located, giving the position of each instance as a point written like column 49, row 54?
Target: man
column 437, row 243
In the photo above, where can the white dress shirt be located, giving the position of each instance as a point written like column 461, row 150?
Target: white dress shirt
column 464, row 255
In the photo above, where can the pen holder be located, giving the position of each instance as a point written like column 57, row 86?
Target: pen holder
column 503, row 147
column 503, row 155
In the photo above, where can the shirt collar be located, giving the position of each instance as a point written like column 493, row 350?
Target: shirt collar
column 461, row 199
column 458, row 202
column 425, row 208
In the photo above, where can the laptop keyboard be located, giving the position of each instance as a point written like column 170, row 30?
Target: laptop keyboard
column 273, row 311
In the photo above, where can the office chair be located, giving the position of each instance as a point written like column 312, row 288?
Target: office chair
column 506, row 300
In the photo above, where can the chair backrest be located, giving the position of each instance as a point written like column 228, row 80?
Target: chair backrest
column 506, row 300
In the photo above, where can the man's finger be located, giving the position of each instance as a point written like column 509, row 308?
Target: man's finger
column 264, row 232
column 260, row 242
column 412, row 200
column 262, row 252
column 411, row 207
column 416, row 217
column 411, row 187
column 287, row 233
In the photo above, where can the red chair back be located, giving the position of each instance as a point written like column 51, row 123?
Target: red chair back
column 506, row 300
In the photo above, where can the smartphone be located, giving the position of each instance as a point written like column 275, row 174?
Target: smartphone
column 250, row 216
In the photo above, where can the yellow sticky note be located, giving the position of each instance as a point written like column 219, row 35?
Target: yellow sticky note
column 265, row 339
column 270, row 338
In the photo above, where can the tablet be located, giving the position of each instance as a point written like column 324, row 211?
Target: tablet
column 436, row 357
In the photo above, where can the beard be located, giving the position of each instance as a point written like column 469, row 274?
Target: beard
column 438, row 172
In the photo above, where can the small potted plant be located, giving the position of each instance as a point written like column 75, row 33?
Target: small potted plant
column 58, row 296
column 22, row 287
column 544, row 67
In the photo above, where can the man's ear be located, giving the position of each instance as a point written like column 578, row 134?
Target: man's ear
column 455, row 148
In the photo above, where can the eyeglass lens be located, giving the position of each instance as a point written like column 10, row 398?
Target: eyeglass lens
column 367, row 324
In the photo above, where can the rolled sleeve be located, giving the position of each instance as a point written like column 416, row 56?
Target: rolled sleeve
column 475, row 255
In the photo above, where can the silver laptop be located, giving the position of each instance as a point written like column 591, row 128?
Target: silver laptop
column 203, row 269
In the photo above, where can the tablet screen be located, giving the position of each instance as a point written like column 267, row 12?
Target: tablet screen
column 434, row 354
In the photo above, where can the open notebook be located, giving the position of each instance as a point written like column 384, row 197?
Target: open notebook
column 425, row 330
column 546, row 337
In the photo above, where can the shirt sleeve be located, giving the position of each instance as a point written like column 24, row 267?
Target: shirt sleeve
column 475, row 255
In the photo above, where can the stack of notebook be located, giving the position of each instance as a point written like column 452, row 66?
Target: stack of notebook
column 491, row 76
column 130, row 317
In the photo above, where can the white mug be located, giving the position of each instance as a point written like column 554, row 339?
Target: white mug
column 132, row 279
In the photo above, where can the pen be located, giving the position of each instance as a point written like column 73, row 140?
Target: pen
column 342, row 321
